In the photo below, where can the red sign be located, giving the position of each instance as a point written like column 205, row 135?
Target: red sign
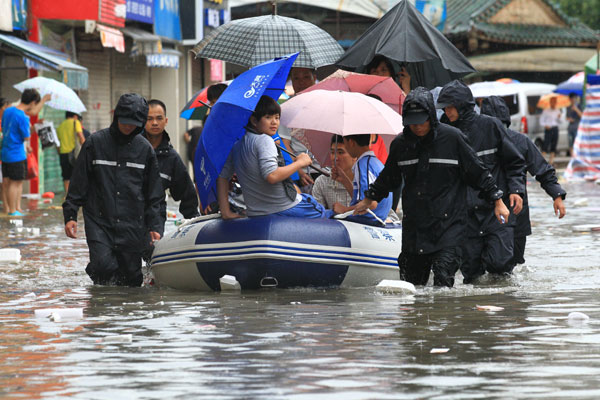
column 113, row 12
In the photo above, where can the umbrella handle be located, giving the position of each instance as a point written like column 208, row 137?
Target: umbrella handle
column 312, row 166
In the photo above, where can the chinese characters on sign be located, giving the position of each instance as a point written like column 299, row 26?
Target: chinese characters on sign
column 140, row 10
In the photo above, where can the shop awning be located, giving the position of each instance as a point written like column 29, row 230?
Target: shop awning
column 549, row 59
column 74, row 75
column 144, row 42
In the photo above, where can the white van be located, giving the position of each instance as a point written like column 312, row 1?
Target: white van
column 525, row 115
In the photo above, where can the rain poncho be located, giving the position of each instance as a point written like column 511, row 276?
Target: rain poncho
column 116, row 181
column 490, row 244
column 436, row 170
column 175, row 178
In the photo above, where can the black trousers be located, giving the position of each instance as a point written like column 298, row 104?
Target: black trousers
column 491, row 252
column 415, row 268
column 519, row 250
column 113, row 267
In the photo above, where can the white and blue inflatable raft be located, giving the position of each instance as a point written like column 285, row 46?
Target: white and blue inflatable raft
column 275, row 251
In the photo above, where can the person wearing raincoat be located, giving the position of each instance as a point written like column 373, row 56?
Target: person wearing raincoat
column 537, row 166
column 173, row 173
column 489, row 244
column 116, row 181
column 436, row 164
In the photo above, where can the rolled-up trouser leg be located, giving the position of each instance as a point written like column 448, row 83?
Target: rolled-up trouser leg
column 103, row 266
column 471, row 266
column 444, row 264
column 414, row 268
column 519, row 249
column 497, row 254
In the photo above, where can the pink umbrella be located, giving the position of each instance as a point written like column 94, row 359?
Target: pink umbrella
column 384, row 87
column 322, row 113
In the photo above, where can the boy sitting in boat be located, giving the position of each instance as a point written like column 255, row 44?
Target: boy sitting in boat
column 366, row 169
column 262, row 173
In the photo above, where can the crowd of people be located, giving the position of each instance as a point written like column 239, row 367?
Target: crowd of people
column 461, row 179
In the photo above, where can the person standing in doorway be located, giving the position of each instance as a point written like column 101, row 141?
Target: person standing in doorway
column 70, row 136
column 16, row 130
column 117, row 182
column 574, row 115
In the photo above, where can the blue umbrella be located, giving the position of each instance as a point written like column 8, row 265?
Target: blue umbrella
column 230, row 115
column 572, row 85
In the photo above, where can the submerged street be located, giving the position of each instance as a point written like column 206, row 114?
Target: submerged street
column 307, row 344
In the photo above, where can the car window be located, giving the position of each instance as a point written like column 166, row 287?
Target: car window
column 532, row 107
column 512, row 102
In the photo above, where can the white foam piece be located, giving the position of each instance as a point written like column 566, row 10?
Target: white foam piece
column 16, row 222
column 10, row 255
column 228, row 282
column 62, row 313
column 586, row 228
column 580, row 202
column 396, row 286
column 578, row 316
column 128, row 338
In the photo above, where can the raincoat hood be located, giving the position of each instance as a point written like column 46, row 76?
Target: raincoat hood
column 132, row 109
column 496, row 107
column 421, row 98
column 457, row 94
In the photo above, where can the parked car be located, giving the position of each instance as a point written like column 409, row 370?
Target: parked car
column 525, row 115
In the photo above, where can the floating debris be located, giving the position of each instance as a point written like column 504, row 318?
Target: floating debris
column 489, row 308
column 396, row 286
column 580, row 202
column 57, row 314
column 10, row 256
column 439, row 350
column 228, row 282
column 578, row 316
column 128, row 338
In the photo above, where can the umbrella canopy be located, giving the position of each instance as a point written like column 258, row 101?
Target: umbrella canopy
column 384, row 87
column 493, row 88
column 63, row 97
column 572, row 85
column 197, row 107
column 252, row 41
column 561, row 100
column 404, row 35
column 230, row 115
column 342, row 113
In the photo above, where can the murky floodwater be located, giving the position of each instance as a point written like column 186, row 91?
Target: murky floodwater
column 307, row 344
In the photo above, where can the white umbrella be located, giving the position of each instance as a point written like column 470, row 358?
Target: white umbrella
column 63, row 97
column 493, row 88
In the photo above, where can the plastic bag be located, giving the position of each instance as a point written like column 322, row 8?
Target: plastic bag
column 47, row 134
column 32, row 166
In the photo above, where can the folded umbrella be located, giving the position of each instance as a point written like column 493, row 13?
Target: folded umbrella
column 252, row 41
column 228, row 117
column 63, row 97
column 405, row 36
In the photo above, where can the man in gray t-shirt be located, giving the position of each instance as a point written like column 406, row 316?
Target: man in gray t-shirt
column 253, row 158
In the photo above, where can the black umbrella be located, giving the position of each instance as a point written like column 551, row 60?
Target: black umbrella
column 405, row 36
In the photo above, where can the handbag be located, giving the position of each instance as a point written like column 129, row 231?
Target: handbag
column 47, row 134
column 75, row 152
column 32, row 166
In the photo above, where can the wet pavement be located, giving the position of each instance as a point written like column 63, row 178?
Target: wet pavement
column 158, row 343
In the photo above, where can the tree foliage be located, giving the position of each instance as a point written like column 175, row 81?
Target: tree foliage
column 588, row 11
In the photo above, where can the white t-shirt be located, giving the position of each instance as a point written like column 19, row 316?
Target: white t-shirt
column 550, row 117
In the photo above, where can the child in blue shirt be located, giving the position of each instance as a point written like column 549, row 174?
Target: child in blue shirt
column 366, row 169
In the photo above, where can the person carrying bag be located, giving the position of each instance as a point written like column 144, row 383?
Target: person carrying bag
column 70, row 135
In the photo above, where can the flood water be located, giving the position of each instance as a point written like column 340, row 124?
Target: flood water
column 307, row 344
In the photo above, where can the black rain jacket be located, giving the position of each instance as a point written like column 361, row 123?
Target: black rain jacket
column 116, row 181
column 536, row 165
column 175, row 178
column 488, row 137
column 436, row 170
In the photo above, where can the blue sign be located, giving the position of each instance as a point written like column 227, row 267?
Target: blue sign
column 166, row 19
column 140, row 10
column 19, row 14
column 434, row 11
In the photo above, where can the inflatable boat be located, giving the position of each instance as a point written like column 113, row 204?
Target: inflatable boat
column 275, row 251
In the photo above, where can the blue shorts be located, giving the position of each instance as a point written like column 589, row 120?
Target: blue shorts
column 308, row 207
